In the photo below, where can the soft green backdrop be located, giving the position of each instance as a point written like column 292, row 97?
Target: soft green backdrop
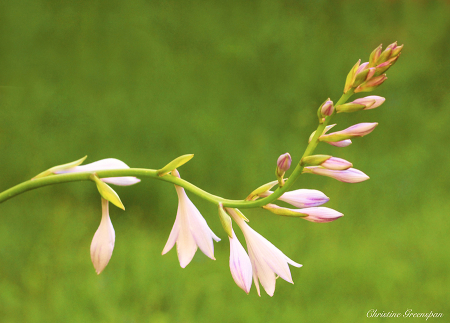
column 237, row 83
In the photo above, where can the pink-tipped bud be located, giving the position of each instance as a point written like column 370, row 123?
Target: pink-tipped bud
column 357, row 130
column 351, row 77
column 370, row 102
column 327, row 108
column 374, row 56
column 336, row 164
column 350, row 175
column 343, row 143
column 283, row 164
column 371, row 84
column 321, row 214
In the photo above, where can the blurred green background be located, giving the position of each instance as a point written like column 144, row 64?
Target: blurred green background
column 237, row 83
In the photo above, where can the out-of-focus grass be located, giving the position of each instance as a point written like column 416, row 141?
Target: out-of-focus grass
column 237, row 84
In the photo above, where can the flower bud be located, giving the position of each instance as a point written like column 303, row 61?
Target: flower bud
column 343, row 143
column 102, row 245
column 371, row 84
column 370, row 102
column 357, row 130
column 351, row 77
column 315, row 160
column 349, row 107
column 313, row 214
column 336, row 164
column 350, row 175
column 374, row 56
column 283, row 163
column 327, row 108
column 302, row 197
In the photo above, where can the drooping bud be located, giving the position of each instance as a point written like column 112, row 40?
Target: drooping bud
column 357, row 130
column 177, row 162
column 350, row 175
column 371, row 84
column 226, row 221
column 351, row 77
column 102, row 245
column 107, row 192
column 283, row 164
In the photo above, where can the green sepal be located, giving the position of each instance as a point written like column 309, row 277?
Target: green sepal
column 226, row 221
column 261, row 189
column 384, row 56
column 107, row 192
column 241, row 215
column 374, row 56
column 350, row 107
column 315, row 160
column 278, row 210
column 177, row 162
column 351, row 77
column 58, row 168
column 334, row 137
column 361, row 77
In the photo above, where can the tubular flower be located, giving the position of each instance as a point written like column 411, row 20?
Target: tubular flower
column 189, row 231
column 240, row 264
column 267, row 260
column 103, row 242
column 105, row 164
column 350, row 175
column 302, row 197
column 313, row 214
column 357, row 130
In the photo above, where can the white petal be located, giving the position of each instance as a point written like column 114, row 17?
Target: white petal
column 105, row 164
column 173, row 236
column 121, row 181
column 186, row 246
column 240, row 265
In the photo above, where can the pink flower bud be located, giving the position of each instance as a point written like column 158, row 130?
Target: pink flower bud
column 350, row 175
column 336, row 164
column 371, row 84
column 357, row 130
column 327, row 108
column 321, row 214
column 342, row 143
column 371, row 102
column 283, row 164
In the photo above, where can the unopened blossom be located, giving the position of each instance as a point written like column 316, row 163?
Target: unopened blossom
column 105, row 164
column 327, row 108
column 350, row 175
column 357, row 130
column 336, row 163
column 240, row 264
column 370, row 102
column 190, row 230
column 302, row 197
column 313, row 214
column 342, row 143
column 267, row 260
column 371, row 84
column 283, row 163
column 103, row 242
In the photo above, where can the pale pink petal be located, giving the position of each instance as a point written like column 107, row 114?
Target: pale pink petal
column 240, row 264
column 320, row 214
column 302, row 197
column 172, row 237
column 342, row 143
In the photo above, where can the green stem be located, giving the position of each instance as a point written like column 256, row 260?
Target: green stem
column 151, row 173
